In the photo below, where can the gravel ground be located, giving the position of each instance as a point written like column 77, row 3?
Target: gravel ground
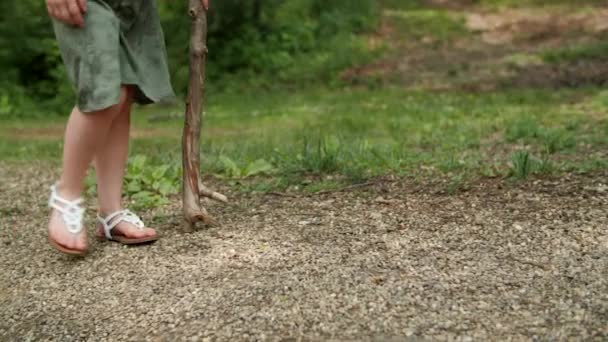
column 397, row 260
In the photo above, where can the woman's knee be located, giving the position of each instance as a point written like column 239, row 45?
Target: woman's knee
column 124, row 101
column 126, row 95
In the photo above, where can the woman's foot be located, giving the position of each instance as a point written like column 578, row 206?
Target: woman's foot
column 59, row 234
column 124, row 227
column 65, row 223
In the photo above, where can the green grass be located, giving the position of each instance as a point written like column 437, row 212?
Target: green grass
column 425, row 23
column 590, row 52
column 356, row 134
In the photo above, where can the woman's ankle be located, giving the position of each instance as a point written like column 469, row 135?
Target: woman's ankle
column 69, row 192
column 104, row 211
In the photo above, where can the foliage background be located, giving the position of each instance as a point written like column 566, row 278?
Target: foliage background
column 294, row 41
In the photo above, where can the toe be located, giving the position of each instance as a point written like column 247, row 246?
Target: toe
column 144, row 233
column 139, row 233
column 60, row 236
column 80, row 245
column 150, row 232
column 71, row 243
column 131, row 231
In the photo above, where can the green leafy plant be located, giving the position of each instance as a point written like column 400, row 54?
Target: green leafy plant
column 150, row 185
column 231, row 169
column 146, row 185
column 546, row 166
column 523, row 164
column 320, row 154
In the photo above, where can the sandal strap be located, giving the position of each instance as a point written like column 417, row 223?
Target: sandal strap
column 71, row 211
column 113, row 219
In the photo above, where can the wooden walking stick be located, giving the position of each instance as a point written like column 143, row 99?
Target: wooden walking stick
column 192, row 188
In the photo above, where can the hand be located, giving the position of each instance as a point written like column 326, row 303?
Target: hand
column 69, row 11
column 205, row 4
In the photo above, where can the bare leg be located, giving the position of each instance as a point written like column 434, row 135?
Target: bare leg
column 110, row 163
column 84, row 135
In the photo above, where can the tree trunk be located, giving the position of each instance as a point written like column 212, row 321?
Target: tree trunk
column 192, row 188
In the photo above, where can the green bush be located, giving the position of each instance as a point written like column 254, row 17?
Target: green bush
column 33, row 74
column 277, row 41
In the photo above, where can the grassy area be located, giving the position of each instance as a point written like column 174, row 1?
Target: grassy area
column 363, row 133
column 424, row 23
column 588, row 52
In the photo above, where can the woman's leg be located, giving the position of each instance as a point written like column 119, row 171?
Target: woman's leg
column 110, row 163
column 84, row 135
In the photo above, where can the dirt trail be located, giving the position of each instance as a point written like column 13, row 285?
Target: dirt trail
column 503, row 49
column 537, row 25
column 390, row 261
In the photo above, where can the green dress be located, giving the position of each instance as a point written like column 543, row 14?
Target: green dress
column 121, row 43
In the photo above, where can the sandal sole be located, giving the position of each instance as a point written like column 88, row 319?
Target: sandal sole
column 127, row 241
column 65, row 250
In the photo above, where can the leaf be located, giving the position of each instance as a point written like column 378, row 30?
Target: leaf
column 155, row 185
column 133, row 187
column 142, row 195
column 167, row 188
column 257, row 167
column 160, row 171
column 147, row 178
column 138, row 162
column 230, row 167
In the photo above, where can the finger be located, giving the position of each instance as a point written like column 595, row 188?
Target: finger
column 75, row 13
column 50, row 10
column 83, row 5
column 53, row 10
column 62, row 14
column 57, row 9
column 206, row 4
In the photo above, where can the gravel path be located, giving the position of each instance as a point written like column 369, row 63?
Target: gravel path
column 394, row 260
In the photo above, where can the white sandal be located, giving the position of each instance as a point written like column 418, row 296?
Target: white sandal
column 72, row 215
column 111, row 221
